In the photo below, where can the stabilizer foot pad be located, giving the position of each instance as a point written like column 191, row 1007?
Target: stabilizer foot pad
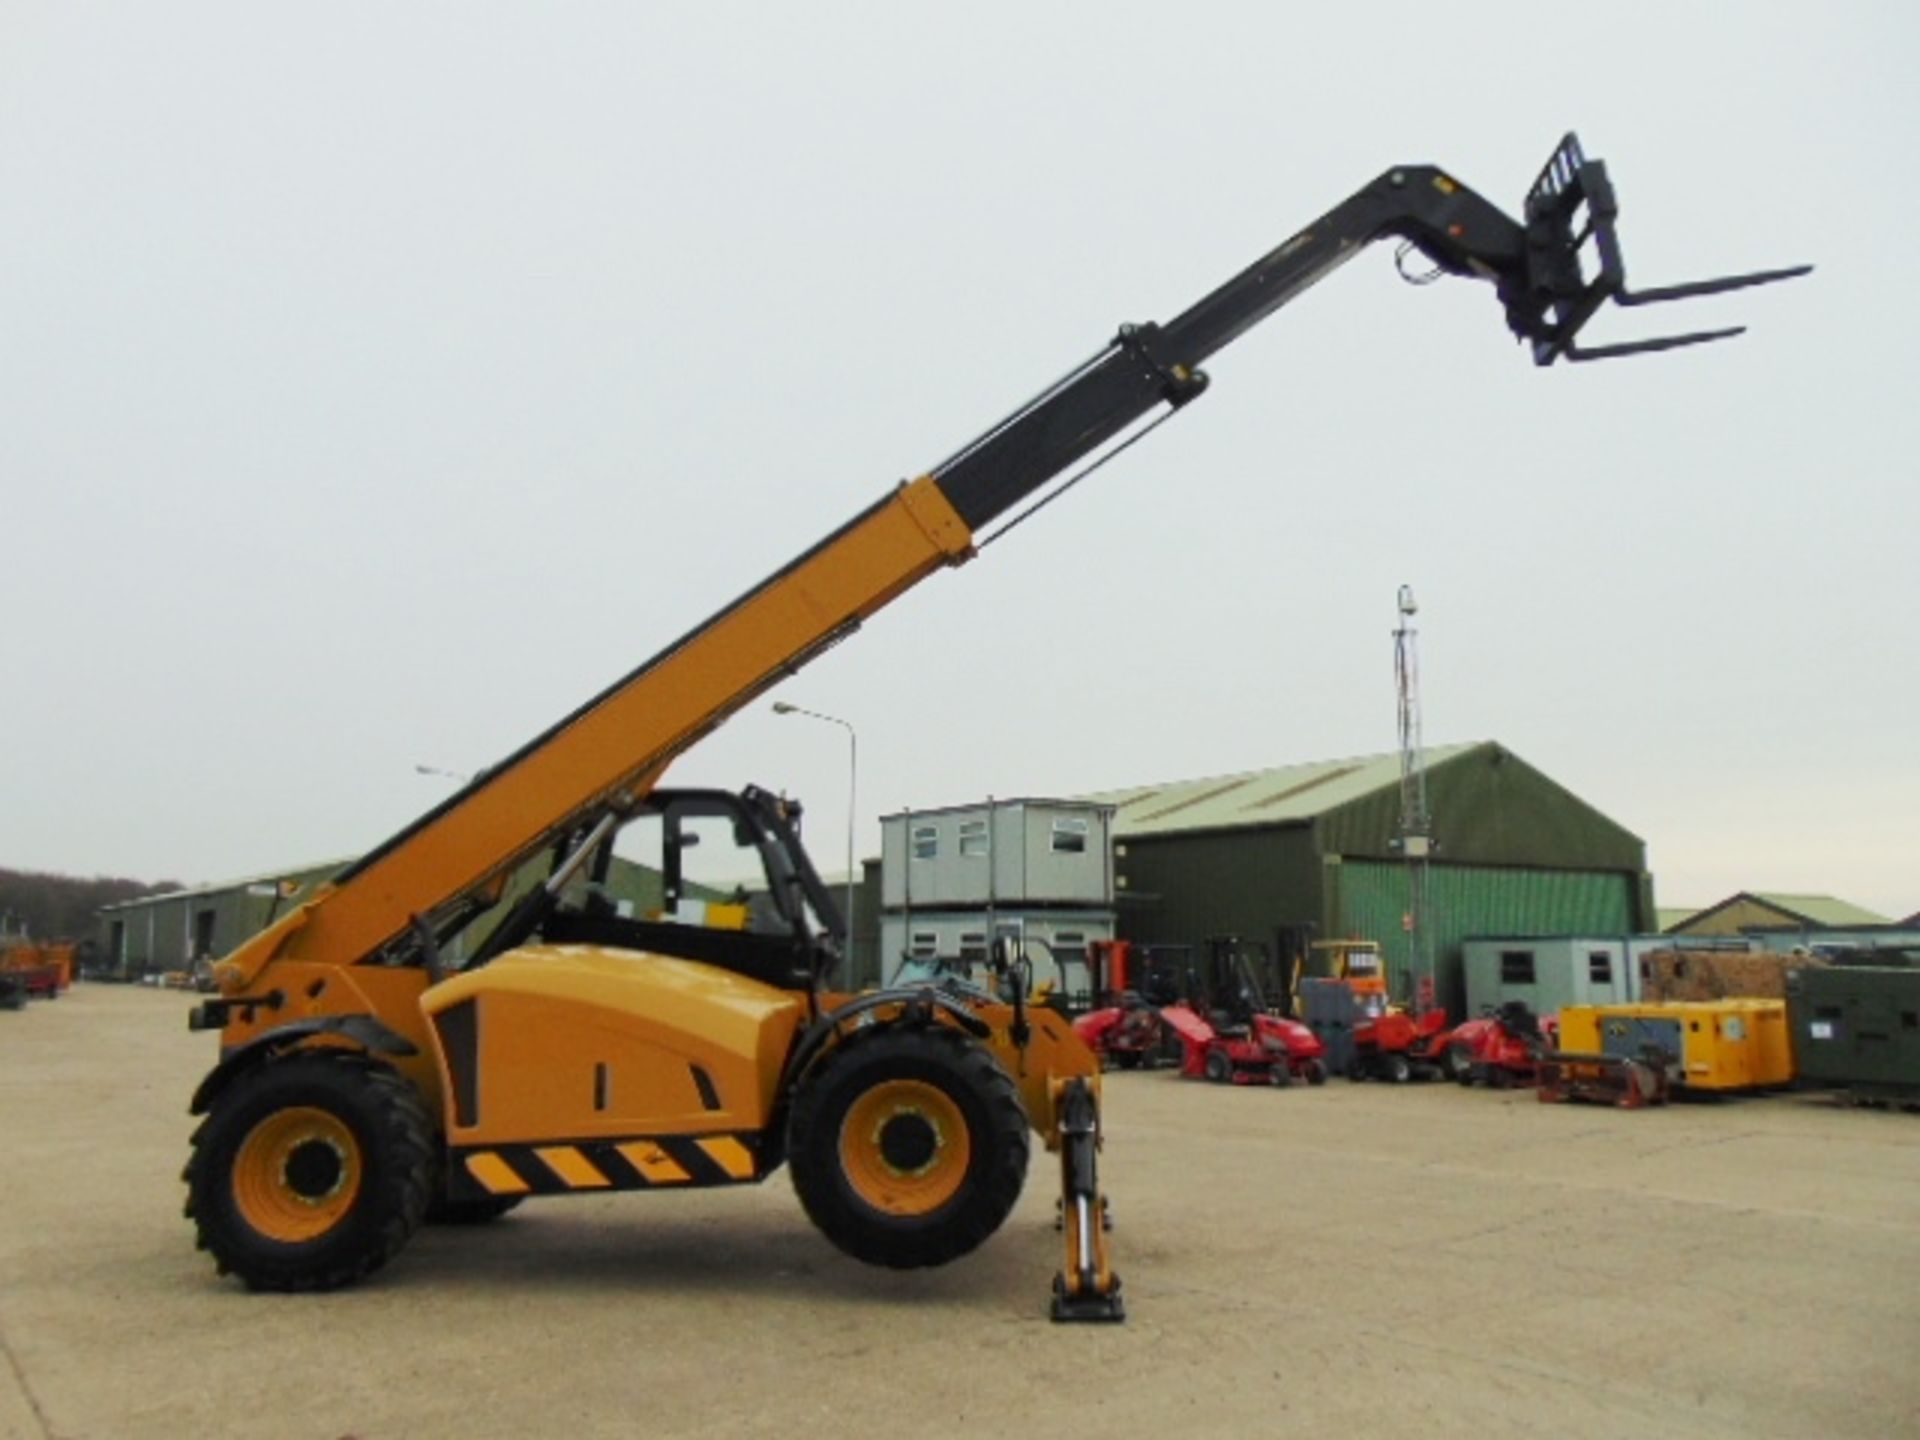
column 1089, row 1307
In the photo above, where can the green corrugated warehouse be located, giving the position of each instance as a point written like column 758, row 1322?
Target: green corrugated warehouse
column 1304, row 852
column 157, row 933
column 177, row 930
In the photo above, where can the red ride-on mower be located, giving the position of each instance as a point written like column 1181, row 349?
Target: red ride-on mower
column 1388, row 1043
column 1502, row 1048
column 1124, row 1027
column 1127, row 1034
column 1393, row 1045
column 1229, row 1034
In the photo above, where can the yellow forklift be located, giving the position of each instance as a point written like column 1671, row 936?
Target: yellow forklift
column 471, row 1014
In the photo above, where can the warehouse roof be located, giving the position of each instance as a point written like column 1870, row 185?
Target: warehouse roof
column 1288, row 794
column 1821, row 910
column 300, row 877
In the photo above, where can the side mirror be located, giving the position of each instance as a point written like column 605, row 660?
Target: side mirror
column 1008, row 960
column 1004, row 955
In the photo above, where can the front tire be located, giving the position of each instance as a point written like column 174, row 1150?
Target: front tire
column 908, row 1146
column 310, row 1172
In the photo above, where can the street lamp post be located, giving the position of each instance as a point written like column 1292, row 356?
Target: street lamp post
column 781, row 707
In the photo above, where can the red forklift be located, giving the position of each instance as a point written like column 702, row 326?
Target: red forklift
column 1228, row 1031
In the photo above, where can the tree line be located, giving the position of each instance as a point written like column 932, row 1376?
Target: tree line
column 61, row 907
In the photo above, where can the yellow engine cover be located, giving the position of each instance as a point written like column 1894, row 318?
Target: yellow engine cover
column 582, row 1042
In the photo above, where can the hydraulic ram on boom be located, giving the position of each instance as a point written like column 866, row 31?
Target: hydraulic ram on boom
column 364, row 1080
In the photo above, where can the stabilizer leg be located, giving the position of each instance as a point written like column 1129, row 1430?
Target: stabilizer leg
column 1086, row 1287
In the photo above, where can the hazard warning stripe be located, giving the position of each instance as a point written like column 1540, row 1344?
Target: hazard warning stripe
column 496, row 1177
column 730, row 1155
column 655, row 1165
column 576, row 1172
column 641, row 1163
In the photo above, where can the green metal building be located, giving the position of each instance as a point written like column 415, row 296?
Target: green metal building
column 1303, row 852
column 158, row 933
column 180, row 929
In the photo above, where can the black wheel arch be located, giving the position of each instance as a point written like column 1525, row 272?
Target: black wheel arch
column 365, row 1031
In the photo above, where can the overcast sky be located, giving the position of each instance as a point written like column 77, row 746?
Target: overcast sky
column 379, row 381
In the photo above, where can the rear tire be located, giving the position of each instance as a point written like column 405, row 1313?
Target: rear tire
column 1316, row 1072
column 310, row 1172
column 1398, row 1068
column 908, row 1146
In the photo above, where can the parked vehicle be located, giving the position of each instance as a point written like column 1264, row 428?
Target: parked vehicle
column 1501, row 1048
column 1228, row 1031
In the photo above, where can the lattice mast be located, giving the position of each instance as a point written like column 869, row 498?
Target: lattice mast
column 1415, row 837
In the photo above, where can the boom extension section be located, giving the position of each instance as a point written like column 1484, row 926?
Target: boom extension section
column 346, row 1005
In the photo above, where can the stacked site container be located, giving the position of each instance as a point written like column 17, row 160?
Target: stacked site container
column 1037, row 870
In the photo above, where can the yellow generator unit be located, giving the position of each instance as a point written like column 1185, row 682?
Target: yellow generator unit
column 1772, row 1039
column 1714, row 1044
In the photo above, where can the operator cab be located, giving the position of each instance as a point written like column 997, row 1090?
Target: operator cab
column 699, row 874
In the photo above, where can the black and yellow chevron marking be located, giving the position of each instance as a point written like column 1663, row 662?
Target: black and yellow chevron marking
column 642, row 1163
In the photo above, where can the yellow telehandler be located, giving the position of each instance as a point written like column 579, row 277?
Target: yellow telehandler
column 473, row 1013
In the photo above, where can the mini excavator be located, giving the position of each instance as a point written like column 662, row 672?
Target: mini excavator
column 468, row 1016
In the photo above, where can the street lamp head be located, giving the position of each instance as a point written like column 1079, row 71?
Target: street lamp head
column 781, row 707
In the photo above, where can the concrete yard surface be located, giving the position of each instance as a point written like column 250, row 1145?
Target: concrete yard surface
column 1353, row 1260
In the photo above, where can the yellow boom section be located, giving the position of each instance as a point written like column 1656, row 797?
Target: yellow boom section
column 622, row 742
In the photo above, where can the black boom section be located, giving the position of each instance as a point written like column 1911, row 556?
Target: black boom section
column 1540, row 268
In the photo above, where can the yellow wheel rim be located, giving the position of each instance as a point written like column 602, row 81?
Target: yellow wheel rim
column 297, row 1174
column 904, row 1147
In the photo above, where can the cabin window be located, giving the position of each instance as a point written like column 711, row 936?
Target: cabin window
column 1599, row 967
column 1069, row 837
column 973, row 837
column 926, row 842
column 1516, row 967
